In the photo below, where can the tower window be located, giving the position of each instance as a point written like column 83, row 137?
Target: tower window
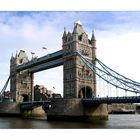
column 80, row 37
column 21, row 61
column 69, row 39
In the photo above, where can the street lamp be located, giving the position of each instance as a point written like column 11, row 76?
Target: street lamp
column 32, row 53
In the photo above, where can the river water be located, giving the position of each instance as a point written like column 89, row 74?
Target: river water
column 114, row 122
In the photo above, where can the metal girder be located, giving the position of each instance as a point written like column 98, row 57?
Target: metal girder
column 34, row 104
column 47, row 65
column 109, row 100
column 104, row 72
column 110, row 76
column 121, row 77
column 5, row 86
column 41, row 60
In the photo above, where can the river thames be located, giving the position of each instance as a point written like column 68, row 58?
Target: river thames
column 114, row 122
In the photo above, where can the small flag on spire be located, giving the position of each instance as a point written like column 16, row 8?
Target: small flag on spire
column 44, row 48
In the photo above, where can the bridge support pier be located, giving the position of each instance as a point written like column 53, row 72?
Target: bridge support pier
column 34, row 113
column 73, row 109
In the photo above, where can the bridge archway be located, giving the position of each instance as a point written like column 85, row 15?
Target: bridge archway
column 85, row 92
column 25, row 97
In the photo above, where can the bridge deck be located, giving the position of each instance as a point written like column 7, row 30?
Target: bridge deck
column 85, row 101
column 109, row 100
column 42, row 60
column 34, row 104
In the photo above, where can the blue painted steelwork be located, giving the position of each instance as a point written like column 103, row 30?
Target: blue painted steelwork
column 38, row 61
column 109, row 100
column 120, row 77
column 47, row 65
column 34, row 104
column 110, row 76
column 5, row 86
column 104, row 72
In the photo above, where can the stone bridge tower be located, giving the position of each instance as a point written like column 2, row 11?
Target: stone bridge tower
column 79, row 81
column 21, row 83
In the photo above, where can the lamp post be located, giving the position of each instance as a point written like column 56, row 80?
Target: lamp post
column 32, row 53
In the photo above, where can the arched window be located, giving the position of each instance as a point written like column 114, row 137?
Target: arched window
column 85, row 92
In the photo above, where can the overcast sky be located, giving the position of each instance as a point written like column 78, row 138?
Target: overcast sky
column 117, row 35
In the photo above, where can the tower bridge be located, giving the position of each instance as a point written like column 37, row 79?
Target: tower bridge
column 80, row 71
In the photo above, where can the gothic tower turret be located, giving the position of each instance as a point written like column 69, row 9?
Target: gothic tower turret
column 13, row 65
column 64, row 36
column 78, row 80
column 21, row 83
column 93, row 43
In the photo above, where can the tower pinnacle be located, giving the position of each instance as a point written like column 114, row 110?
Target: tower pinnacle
column 93, row 36
column 64, row 34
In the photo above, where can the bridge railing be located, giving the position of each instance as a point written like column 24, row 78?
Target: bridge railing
column 34, row 104
column 110, row 100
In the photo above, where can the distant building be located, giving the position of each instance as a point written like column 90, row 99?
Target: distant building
column 41, row 93
column 6, row 96
column 56, row 95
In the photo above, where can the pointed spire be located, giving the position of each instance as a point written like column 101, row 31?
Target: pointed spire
column 75, row 29
column 64, row 34
column 93, row 37
column 16, row 54
column 93, row 40
column 12, row 55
